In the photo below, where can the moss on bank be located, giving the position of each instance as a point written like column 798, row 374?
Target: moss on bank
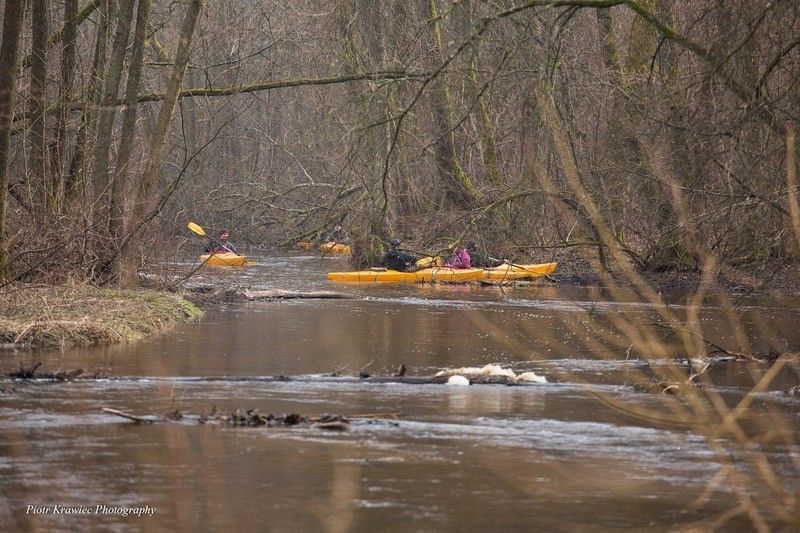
column 82, row 315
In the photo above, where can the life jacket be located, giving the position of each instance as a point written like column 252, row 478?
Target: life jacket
column 397, row 260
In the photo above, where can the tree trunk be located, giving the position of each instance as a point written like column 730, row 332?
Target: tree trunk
column 76, row 176
column 59, row 150
column 9, row 48
column 130, row 247
column 791, row 185
column 487, row 137
column 458, row 185
column 38, row 156
column 101, row 187
column 128, row 132
column 623, row 158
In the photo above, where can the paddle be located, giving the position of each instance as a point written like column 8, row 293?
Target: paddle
column 198, row 229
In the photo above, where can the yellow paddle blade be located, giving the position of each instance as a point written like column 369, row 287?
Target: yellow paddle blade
column 196, row 229
column 428, row 262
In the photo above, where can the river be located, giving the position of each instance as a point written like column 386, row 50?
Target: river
column 572, row 454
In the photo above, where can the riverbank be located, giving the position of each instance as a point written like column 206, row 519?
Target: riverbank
column 41, row 316
column 772, row 278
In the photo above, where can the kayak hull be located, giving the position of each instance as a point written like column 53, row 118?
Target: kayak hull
column 444, row 274
column 226, row 259
column 511, row 272
column 334, row 248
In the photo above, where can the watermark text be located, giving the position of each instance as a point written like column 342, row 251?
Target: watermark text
column 99, row 510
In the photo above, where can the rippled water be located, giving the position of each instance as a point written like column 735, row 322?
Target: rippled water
column 571, row 454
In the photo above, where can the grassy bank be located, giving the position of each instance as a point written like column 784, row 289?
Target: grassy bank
column 82, row 315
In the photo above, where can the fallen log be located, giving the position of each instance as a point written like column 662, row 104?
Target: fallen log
column 135, row 418
column 279, row 294
column 210, row 294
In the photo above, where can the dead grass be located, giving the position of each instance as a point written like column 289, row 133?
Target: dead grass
column 82, row 315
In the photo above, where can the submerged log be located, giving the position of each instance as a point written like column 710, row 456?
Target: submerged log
column 241, row 418
column 363, row 378
column 31, row 373
column 25, row 373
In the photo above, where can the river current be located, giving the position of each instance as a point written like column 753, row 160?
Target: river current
column 589, row 450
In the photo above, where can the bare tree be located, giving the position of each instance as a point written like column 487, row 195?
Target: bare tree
column 65, row 89
column 38, row 155
column 146, row 183
column 9, row 48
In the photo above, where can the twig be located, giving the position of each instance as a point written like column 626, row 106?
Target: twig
column 137, row 419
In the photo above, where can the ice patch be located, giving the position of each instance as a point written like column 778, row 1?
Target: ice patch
column 490, row 370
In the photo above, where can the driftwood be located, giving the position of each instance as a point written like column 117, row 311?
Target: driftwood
column 209, row 294
column 137, row 419
column 277, row 294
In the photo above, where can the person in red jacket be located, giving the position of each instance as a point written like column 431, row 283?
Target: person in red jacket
column 220, row 245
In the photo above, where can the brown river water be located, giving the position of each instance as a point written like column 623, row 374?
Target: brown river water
column 563, row 456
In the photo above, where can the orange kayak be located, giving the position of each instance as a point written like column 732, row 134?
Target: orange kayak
column 334, row 248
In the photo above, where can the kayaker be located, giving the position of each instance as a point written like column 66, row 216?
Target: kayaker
column 397, row 259
column 338, row 235
column 479, row 259
column 459, row 259
column 220, row 245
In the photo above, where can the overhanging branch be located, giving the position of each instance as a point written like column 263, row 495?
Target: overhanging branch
column 280, row 84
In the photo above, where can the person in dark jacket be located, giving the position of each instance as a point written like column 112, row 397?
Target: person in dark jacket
column 480, row 259
column 397, row 259
column 220, row 245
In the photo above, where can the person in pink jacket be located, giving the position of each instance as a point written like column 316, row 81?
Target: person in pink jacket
column 459, row 259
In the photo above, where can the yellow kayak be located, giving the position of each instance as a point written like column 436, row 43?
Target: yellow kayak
column 510, row 272
column 226, row 259
column 452, row 275
column 334, row 248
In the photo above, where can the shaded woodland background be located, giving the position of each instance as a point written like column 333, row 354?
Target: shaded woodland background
column 655, row 135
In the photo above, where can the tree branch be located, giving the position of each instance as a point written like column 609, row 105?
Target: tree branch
column 280, row 84
column 82, row 15
column 713, row 58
